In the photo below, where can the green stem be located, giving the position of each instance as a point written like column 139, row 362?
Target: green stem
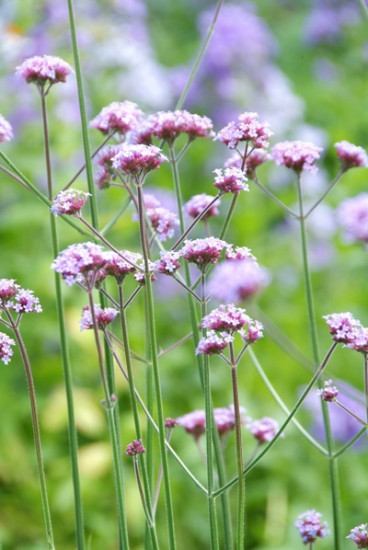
column 332, row 464
column 199, row 57
column 229, row 216
column 155, row 368
column 350, row 443
column 36, row 434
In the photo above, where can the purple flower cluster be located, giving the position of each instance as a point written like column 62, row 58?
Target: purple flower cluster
column 44, row 69
column 230, row 180
column 352, row 216
column 203, row 252
column 5, row 348
column 224, row 417
column 226, row 318
column 347, row 330
column 329, row 392
column 297, row 155
column 135, row 448
column 247, row 128
column 18, row 299
column 351, row 155
column 138, row 159
column 106, row 172
column 70, row 201
column 168, row 125
column 103, row 316
column 254, row 159
column 168, row 262
column 310, row 526
column 264, row 429
column 359, row 535
column 198, row 203
column 120, row 117
column 6, row 131
column 213, row 343
column 118, row 267
column 163, row 221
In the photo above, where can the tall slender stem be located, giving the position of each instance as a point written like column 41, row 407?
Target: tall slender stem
column 332, row 464
column 36, row 433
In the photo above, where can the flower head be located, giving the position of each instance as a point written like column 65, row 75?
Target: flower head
column 70, row 201
column 8, row 289
column 163, row 221
column 230, row 180
column 297, row 155
column 213, row 343
column 234, row 281
column 103, row 316
column 6, row 131
column 170, row 423
column 352, row 215
column 252, row 331
column 168, row 262
column 329, row 392
column 203, row 251
column 351, row 155
column 120, row 265
column 5, row 350
column 44, row 69
column 135, row 448
column 310, row 526
column 138, row 159
column 264, row 429
column 246, row 128
column 24, row 302
column 226, row 318
column 359, row 535
column 198, row 203
column 79, row 263
column 343, row 327
column 170, row 124
column 252, row 161
column 224, row 417
column 120, row 117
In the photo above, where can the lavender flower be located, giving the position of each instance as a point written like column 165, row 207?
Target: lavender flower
column 230, row 180
column 198, row 203
column 121, row 117
column 310, row 526
column 135, row 448
column 6, row 131
column 45, row 69
column 247, row 128
column 224, row 417
column 203, row 251
column 239, row 253
column 213, row 343
column 264, row 429
column 79, row 263
column 170, row 423
column 24, row 302
column 5, row 350
column 359, row 341
column 343, row 327
column 8, row 289
column 297, row 155
column 352, row 215
column 234, row 281
column 162, row 220
column 252, row 331
column 138, row 159
column 194, row 423
column 359, row 535
column 103, row 316
column 116, row 266
column 351, row 155
column 70, row 201
column 170, row 124
column 168, row 262
column 226, row 318
column 329, row 392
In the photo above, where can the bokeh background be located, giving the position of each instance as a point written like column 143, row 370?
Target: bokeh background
column 303, row 67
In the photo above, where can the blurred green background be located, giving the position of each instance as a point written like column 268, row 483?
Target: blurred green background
column 302, row 67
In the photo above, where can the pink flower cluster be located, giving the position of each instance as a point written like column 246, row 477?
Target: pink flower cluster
column 18, row 299
column 135, row 448
column 310, row 526
column 223, row 322
column 203, row 252
column 347, row 330
column 163, row 221
column 329, row 392
column 6, row 131
column 138, row 159
column 359, row 535
column 70, row 201
column 224, row 417
column 106, row 172
column 44, row 69
column 246, row 128
column 230, row 180
column 168, row 262
column 168, row 125
column 352, row 216
column 103, row 316
column 120, row 117
column 198, row 203
column 297, row 155
column 351, row 155
column 254, row 159
column 264, row 429
column 119, row 266
column 5, row 348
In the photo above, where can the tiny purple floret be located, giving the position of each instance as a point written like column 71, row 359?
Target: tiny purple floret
column 310, row 526
column 230, row 180
column 70, row 202
column 297, row 155
column 350, row 155
column 359, row 535
column 103, row 316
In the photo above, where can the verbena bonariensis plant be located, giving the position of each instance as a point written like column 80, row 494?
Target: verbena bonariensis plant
column 113, row 279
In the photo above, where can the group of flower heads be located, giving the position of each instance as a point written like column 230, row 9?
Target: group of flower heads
column 311, row 528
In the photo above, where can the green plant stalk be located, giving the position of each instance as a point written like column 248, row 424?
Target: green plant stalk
column 294, row 410
column 229, row 216
column 199, row 57
column 210, row 426
column 36, row 433
column 350, row 443
column 332, row 464
column 155, row 368
column 239, row 452
column 147, row 511
column 72, row 430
